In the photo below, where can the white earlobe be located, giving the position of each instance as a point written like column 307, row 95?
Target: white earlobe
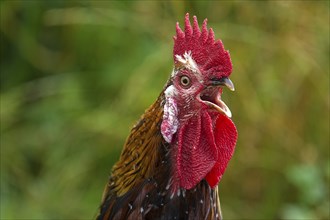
column 170, row 121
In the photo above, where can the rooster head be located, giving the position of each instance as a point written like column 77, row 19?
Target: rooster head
column 196, row 122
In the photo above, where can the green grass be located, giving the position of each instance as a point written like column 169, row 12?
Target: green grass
column 76, row 75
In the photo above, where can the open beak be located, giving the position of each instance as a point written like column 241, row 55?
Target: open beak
column 211, row 95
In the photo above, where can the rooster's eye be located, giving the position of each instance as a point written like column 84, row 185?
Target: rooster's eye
column 185, row 81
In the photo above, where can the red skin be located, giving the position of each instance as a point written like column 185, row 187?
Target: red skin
column 205, row 139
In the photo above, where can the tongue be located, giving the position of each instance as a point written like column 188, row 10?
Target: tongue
column 204, row 148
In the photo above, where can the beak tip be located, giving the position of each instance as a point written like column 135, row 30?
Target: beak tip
column 231, row 88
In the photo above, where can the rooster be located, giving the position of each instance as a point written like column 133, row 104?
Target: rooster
column 176, row 154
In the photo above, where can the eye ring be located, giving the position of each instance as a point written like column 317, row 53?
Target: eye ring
column 185, row 81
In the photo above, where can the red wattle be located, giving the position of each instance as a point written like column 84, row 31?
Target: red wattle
column 197, row 152
column 225, row 135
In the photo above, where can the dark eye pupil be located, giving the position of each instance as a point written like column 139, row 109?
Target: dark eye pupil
column 185, row 81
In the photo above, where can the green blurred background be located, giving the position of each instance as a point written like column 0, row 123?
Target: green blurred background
column 76, row 75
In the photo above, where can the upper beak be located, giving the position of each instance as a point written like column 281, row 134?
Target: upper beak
column 224, row 81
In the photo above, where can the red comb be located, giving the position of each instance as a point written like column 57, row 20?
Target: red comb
column 210, row 55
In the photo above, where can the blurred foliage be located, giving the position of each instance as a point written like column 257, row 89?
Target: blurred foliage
column 76, row 75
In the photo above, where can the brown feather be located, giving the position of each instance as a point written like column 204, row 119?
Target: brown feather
column 138, row 187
